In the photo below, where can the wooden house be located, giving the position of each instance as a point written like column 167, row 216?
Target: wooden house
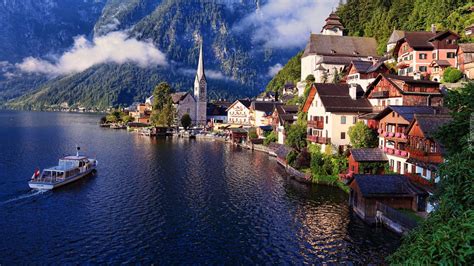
column 388, row 90
column 426, row 153
column 395, row 191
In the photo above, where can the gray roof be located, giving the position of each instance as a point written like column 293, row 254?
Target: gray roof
column 430, row 123
column 408, row 112
column 341, row 46
column 266, row 107
column 178, row 96
column 386, row 186
column 467, row 47
column 369, row 155
column 396, row 36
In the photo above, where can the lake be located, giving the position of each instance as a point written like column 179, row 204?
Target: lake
column 167, row 201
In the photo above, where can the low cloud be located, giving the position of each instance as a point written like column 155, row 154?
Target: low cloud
column 115, row 47
column 286, row 24
column 212, row 74
column 273, row 70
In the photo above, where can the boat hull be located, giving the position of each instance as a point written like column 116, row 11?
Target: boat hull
column 50, row 185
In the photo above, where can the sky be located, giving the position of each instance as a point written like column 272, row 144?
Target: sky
column 277, row 24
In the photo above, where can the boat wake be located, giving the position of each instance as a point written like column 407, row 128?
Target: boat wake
column 30, row 194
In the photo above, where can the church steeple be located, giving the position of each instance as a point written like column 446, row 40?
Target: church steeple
column 333, row 25
column 200, row 69
column 200, row 90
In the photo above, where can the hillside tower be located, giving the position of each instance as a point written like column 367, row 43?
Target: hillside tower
column 200, row 91
column 333, row 26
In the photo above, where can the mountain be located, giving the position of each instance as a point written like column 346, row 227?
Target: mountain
column 235, row 65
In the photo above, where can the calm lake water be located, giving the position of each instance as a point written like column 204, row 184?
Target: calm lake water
column 166, row 201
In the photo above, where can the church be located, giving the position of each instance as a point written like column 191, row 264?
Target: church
column 194, row 104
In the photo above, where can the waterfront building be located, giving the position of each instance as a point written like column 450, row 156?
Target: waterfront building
column 142, row 113
column 426, row 152
column 364, row 72
column 184, row 103
column 261, row 113
column 328, row 53
column 238, row 113
column 421, row 53
column 370, row 193
column 466, row 59
column 200, row 91
column 283, row 116
column 388, row 90
column 217, row 112
column 367, row 161
column 393, row 123
column 331, row 110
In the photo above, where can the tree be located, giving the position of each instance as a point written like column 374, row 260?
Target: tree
column 161, row 95
column 310, row 79
column 163, row 110
column 451, row 75
column 447, row 235
column 362, row 136
column 296, row 135
column 186, row 121
column 272, row 137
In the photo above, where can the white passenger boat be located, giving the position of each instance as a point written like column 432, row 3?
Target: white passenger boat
column 69, row 169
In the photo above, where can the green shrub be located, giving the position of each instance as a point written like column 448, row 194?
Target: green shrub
column 271, row 137
column 451, row 75
column 291, row 158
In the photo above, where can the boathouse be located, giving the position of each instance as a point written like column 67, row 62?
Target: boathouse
column 367, row 192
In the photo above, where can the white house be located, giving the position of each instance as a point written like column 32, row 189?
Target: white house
column 238, row 113
column 332, row 109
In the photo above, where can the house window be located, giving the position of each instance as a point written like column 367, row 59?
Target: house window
column 434, row 56
column 405, row 168
column 354, row 119
column 327, row 120
column 343, row 135
column 423, row 56
column 424, row 172
column 411, row 57
column 451, row 55
column 343, row 120
column 423, row 68
column 399, row 167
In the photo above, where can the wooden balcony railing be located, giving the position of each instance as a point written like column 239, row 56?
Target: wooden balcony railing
column 319, row 140
column 379, row 94
column 316, row 124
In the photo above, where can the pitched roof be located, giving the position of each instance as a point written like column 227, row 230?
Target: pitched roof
column 178, row 96
column 369, row 155
column 386, row 186
column 333, row 60
column 341, row 46
column 333, row 21
column 287, row 109
column 396, row 36
column 441, row 63
column 467, row 47
column 365, row 67
column 441, row 35
column 335, row 98
column 398, row 81
column 216, row 110
column 244, row 102
column 408, row 112
column 266, row 107
column 430, row 123
column 419, row 39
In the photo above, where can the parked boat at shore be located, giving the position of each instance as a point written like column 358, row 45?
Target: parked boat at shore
column 69, row 169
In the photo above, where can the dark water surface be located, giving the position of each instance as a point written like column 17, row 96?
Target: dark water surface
column 166, row 201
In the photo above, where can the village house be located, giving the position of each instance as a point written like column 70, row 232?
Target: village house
column 367, row 161
column 388, row 90
column 370, row 193
column 364, row 72
column 466, row 59
column 283, row 116
column 327, row 54
column 217, row 112
column 426, row 153
column 261, row 113
column 142, row 113
column 238, row 113
column 331, row 110
column 425, row 53
column 393, row 123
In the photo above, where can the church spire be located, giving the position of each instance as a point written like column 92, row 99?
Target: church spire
column 200, row 70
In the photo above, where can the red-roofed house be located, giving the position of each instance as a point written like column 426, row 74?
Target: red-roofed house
column 416, row 52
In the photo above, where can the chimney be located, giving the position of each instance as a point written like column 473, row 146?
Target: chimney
column 433, row 28
column 353, row 91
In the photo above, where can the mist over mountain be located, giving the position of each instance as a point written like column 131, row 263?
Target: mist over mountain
column 108, row 53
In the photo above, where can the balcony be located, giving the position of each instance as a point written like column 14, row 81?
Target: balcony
column 396, row 152
column 316, row 124
column 393, row 135
column 379, row 94
column 319, row 140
